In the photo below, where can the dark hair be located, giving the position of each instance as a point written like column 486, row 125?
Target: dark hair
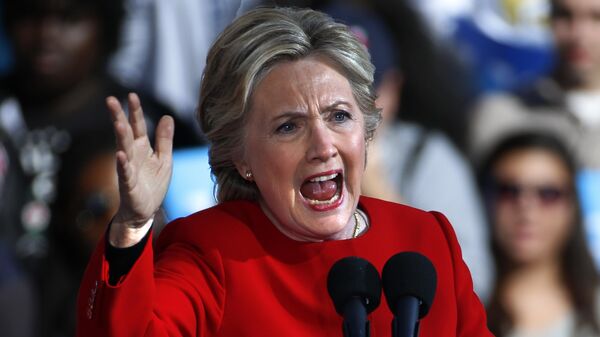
column 110, row 14
column 431, row 94
column 577, row 266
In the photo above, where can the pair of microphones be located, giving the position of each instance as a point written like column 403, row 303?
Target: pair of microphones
column 408, row 280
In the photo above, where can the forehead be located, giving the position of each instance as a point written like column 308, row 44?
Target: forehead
column 577, row 5
column 301, row 83
column 532, row 164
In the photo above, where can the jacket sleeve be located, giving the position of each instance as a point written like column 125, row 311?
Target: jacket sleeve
column 471, row 319
column 179, row 294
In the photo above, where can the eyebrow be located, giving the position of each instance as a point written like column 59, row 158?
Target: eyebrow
column 337, row 103
column 296, row 114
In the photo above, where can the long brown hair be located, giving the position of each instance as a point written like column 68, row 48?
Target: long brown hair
column 578, row 271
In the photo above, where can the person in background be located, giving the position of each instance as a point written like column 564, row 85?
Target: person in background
column 87, row 197
column 570, row 95
column 546, row 281
column 565, row 101
column 52, row 99
column 410, row 163
column 288, row 106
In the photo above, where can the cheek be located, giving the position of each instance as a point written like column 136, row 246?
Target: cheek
column 560, row 31
column 595, row 44
column 504, row 223
column 274, row 167
column 357, row 146
column 356, row 157
column 82, row 40
column 560, row 226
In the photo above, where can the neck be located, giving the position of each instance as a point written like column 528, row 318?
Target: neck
column 304, row 233
column 529, row 288
column 534, row 274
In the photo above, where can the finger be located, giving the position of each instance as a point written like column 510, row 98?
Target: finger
column 136, row 116
column 124, row 138
column 116, row 111
column 163, row 144
column 124, row 171
column 123, row 133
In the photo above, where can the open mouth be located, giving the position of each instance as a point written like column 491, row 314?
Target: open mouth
column 323, row 190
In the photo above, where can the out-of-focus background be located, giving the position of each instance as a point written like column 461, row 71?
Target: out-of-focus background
column 491, row 115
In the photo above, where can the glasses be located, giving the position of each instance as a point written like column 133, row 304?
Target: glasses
column 545, row 195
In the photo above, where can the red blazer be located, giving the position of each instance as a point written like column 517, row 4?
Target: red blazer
column 227, row 271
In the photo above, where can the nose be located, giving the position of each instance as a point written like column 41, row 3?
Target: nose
column 528, row 200
column 321, row 145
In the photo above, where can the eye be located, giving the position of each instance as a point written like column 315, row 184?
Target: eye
column 341, row 116
column 508, row 191
column 550, row 194
column 287, row 127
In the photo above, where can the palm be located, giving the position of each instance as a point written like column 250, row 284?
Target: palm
column 144, row 172
column 147, row 185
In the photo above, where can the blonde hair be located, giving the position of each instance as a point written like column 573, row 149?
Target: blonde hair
column 242, row 55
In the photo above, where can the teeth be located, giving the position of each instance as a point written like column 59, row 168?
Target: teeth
column 324, row 178
column 333, row 199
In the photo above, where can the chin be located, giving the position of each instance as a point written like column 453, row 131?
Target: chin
column 525, row 255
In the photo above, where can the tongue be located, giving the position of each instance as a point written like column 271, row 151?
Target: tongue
column 324, row 190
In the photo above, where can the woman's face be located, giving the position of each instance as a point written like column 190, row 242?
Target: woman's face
column 56, row 49
column 534, row 206
column 305, row 146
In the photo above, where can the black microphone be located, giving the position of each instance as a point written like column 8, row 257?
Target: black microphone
column 409, row 281
column 355, row 288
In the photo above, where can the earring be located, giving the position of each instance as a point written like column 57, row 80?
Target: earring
column 248, row 175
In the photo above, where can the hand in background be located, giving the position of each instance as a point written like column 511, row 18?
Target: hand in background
column 144, row 173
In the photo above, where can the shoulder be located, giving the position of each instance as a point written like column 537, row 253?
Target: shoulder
column 212, row 225
column 391, row 212
column 414, row 222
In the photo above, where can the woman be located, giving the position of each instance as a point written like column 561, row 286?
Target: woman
column 287, row 105
column 547, row 283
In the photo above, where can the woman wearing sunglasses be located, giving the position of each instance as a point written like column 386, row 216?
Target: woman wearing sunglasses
column 546, row 280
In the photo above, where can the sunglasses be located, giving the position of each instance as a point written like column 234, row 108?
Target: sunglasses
column 545, row 195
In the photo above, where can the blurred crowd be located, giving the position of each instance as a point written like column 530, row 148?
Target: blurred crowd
column 491, row 115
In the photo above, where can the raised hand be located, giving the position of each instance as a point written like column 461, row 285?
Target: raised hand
column 144, row 173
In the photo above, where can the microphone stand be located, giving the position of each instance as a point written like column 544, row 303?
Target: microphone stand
column 406, row 318
column 355, row 322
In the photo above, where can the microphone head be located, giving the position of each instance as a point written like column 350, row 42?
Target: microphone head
column 352, row 277
column 409, row 274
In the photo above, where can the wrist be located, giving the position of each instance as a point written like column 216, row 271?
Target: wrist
column 125, row 234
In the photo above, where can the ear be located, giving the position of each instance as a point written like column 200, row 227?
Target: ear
column 242, row 167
